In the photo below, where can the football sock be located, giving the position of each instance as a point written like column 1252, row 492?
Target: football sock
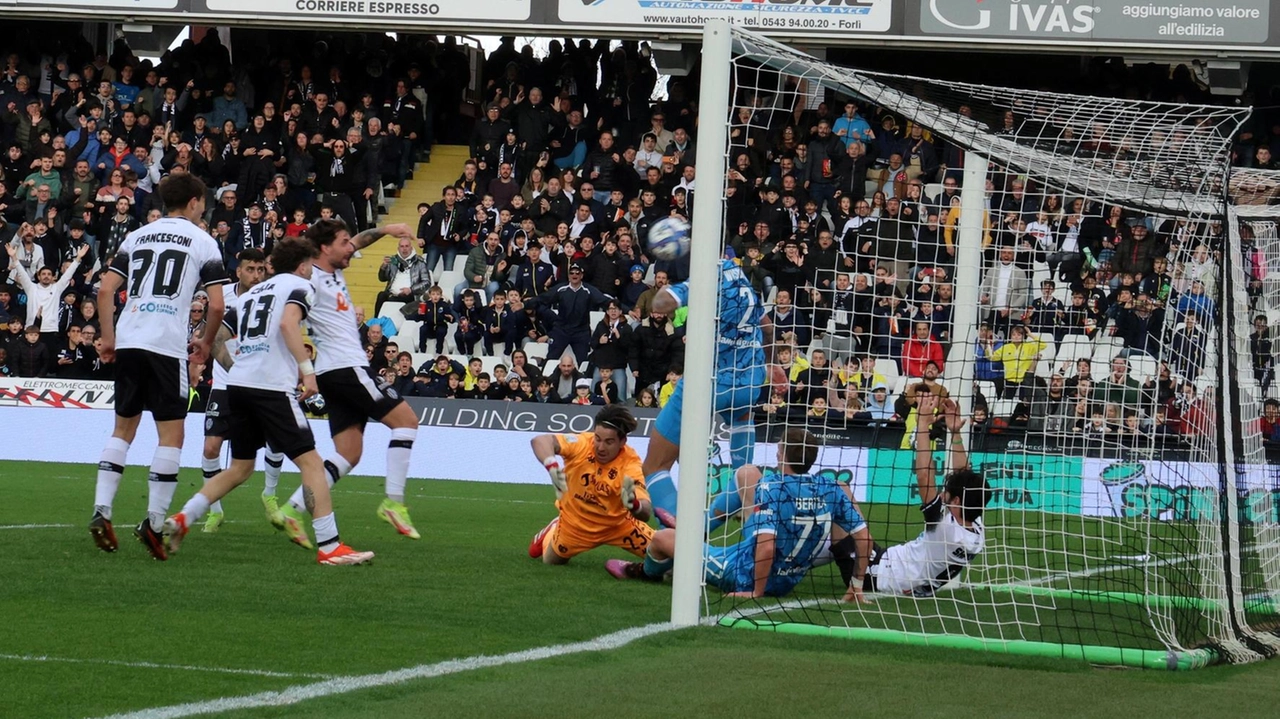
column 742, row 442
column 110, row 469
column 162, row 484
column 398, row 451
column 326, row 529
column 334, row 469
column 662, row 491
column 195, row 508
column 275, row 465
column 210, row 468
column 656, row 568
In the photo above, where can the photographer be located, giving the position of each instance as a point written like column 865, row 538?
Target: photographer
column 406, row 275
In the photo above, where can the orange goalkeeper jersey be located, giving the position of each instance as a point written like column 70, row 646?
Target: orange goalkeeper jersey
column 592, row 508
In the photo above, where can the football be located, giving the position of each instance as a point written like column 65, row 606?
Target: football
column 669, row 239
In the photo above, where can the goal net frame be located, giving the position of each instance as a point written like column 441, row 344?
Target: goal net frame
column 1244, row 562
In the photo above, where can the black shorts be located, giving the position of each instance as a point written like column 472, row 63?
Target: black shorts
column 257, row 417
column 217, row 420
column 355, row 395
column 146, row 381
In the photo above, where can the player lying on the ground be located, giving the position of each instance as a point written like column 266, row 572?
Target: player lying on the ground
column 789, row 516
column 743, row 331
column 261, row 396
column 953, row 530
column 600, row 492
column 251, row 271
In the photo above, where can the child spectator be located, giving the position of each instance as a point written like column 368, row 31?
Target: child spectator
column 435, row 315
column 31, row 356
column 673, row 376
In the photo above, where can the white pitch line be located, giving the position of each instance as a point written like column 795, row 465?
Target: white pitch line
column 339, row 490
column 153, row 665
column 344, row 685
column 36, row 526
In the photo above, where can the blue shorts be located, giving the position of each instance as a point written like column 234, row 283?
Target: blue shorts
column 721, row 569
column 730, row 403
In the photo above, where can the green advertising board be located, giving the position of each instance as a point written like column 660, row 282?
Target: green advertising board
column 1033, row 483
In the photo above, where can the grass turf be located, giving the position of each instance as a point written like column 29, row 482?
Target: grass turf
column 246, row 599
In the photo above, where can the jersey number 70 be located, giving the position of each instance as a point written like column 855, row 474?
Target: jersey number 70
column 164, row 270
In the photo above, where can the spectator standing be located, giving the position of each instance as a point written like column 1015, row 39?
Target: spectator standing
column 1187, row 348
column 921, row 349
column 611, row 347
column 1262, row 353
column 1018, row 357
column 1005, row 292
column 573, row 302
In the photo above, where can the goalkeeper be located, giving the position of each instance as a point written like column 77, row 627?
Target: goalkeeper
column 600, row 492
column 743, row 332
column 790, row 517
column 953, row 530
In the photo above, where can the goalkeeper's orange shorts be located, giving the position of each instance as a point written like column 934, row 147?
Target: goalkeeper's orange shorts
column 631, row 534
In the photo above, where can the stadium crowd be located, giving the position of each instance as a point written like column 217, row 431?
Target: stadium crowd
column 530, row 282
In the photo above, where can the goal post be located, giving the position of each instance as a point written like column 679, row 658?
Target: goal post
column 700, row 329
column 1080, row 272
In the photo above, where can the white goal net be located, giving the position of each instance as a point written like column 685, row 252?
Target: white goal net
column 1081, row 277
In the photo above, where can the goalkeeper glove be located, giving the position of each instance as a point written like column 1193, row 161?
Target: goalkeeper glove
column 628, row 494
column 556, row 471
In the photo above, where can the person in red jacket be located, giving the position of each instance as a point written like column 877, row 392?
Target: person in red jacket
column 919, row 350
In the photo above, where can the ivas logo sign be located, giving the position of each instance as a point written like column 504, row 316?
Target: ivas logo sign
column 1006, row 17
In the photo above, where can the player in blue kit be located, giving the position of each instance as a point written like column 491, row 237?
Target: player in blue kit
column 790, row 518
column 743, row 332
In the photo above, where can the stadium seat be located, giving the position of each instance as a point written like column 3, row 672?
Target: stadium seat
column 1002, row 407
column 391, row 310
column 933, row 190
column 1073, row 347
column 1106, row 348
column 407, row 337
column 421, row 358
column 1202, row 382
column 986, row 389
column 871, row 188
column 536, row 352
column 447, row 281
column 889, row 369
column 898, row 386
column 1063, row 295
column 1143, row 367
column 491, row 361
column 596, row 318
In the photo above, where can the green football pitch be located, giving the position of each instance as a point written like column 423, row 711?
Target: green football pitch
column 459, row 624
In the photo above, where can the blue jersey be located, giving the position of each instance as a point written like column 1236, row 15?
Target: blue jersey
column 740, row 344
column 798, row 510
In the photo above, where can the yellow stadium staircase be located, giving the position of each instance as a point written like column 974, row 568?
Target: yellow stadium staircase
column 428, row 180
